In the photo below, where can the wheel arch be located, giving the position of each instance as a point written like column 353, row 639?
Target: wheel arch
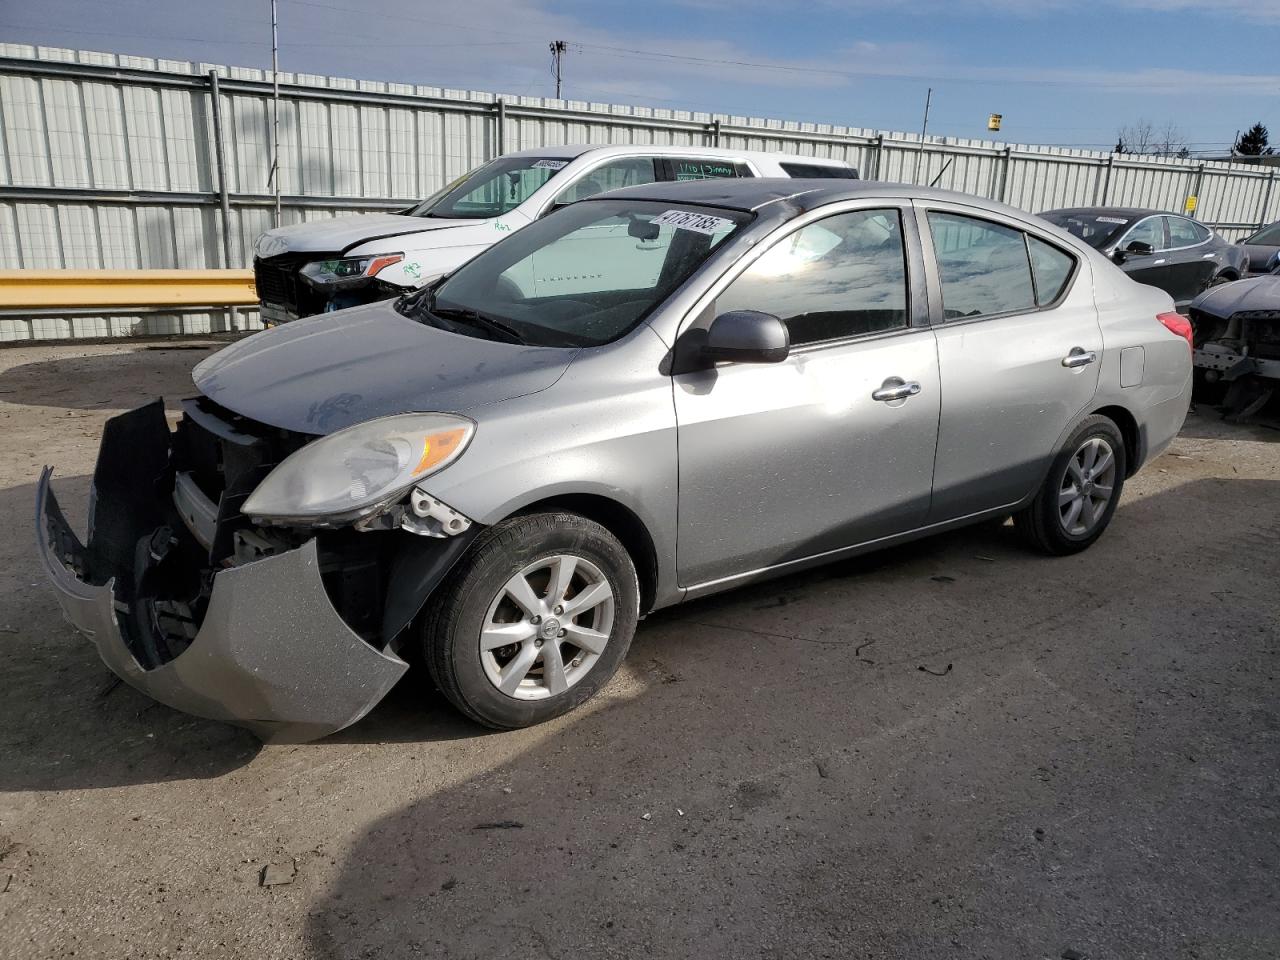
column 1127, row 423
column 619, row 520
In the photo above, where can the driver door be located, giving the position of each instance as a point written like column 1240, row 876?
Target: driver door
column 783, row 461
column 1150, row 268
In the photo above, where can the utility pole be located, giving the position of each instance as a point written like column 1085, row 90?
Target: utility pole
column 274, row 178
column 924, row 127
column 558, row 49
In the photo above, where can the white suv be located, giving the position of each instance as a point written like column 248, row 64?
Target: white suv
column 325, row 265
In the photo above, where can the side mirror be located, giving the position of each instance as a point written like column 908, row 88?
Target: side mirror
column 1135, row 249
column 747, row 336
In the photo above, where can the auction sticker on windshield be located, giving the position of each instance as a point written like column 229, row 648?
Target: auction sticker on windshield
column 551, row 164
column 1111, row 220
column 700, row 222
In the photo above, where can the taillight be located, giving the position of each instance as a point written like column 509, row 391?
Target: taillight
column 1180, row 325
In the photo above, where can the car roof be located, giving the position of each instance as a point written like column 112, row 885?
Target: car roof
column 1131, row 213
column 573, row 150
column 799, row 195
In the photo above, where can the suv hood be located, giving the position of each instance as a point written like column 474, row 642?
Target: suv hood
column 336, row 235
column 1257, row 293
column 335, row 370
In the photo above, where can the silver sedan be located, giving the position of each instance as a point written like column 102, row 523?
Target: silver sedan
column 645, row 397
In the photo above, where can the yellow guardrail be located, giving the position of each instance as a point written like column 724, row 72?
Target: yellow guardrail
column 53, row 289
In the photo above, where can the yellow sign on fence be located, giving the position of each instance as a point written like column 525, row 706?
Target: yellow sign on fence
column 1191, row 205
column 993, row 121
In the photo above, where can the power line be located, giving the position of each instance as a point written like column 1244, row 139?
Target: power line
column 879, row 75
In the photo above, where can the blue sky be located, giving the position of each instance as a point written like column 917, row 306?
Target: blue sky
column 1059, row 72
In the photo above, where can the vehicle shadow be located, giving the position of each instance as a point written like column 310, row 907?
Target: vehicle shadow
column 122, row 379
column 781, row 788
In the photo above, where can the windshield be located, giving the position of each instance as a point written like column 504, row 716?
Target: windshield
column 491, row 190
column 1267, row 236
column 1095, row 229
column 582, row 276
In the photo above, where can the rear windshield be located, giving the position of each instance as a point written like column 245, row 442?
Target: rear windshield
column 1095, row 229
column 491, row 190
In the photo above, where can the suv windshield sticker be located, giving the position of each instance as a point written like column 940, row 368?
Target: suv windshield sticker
column 550, row 164
column 700, row 222
column 1111, row 219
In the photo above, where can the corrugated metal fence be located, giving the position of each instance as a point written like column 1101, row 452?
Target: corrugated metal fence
column 111, row 161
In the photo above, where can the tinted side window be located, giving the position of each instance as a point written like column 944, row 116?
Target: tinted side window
column 1052, row 269
column 626, row 172
column 1267, row 237
column 1149, row 231
column 1184, row 232
column 983, row 266
column 817, row 171
column 680, row 169
column 840, row 277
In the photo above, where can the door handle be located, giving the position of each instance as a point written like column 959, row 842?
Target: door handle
column 895, row 388
column 1079, row 357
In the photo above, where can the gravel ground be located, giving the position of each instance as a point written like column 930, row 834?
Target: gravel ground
column 952, row 749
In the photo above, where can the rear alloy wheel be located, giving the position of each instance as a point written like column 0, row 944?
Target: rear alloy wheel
column 536, row 619
column 1080, row 494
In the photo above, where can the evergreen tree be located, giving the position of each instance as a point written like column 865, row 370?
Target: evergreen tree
column 1253, row 142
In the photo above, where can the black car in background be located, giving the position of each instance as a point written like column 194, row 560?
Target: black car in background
column 1175, row 253
column 1263, row 249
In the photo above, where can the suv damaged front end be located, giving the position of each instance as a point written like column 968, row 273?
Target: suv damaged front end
column 252, row 574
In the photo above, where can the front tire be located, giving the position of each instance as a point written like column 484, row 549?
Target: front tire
column 1079, row 496
column 536, row 618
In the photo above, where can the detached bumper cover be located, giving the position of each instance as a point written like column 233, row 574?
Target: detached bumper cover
column 271, row 655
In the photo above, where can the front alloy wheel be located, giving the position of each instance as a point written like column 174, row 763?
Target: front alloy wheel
column 534, row 619
column 547, row 627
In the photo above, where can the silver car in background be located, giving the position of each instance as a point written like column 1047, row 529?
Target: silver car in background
column 645, row 397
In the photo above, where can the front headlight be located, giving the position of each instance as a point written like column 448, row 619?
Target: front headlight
column 354, row 472
column 347, row 271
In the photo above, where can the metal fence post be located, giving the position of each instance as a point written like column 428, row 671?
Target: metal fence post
column 714, row 131
column 1004, row 175
column 879, row 156
column 1106, row 183
column 224, row 198
column 1266, row 201
column 500, row 139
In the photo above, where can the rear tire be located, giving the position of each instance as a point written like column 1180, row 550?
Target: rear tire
column 534, row 620
column 1079, row 496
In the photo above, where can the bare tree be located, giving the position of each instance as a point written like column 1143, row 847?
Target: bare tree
column 1147, row 138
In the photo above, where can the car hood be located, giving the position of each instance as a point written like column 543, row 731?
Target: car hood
column 336, row 235
column 1257, row 293
column 328, row 372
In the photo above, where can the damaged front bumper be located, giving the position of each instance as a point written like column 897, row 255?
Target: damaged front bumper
column 271, row 655
column 291, row 636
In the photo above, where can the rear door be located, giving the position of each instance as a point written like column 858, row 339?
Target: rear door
column 1019, row 348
